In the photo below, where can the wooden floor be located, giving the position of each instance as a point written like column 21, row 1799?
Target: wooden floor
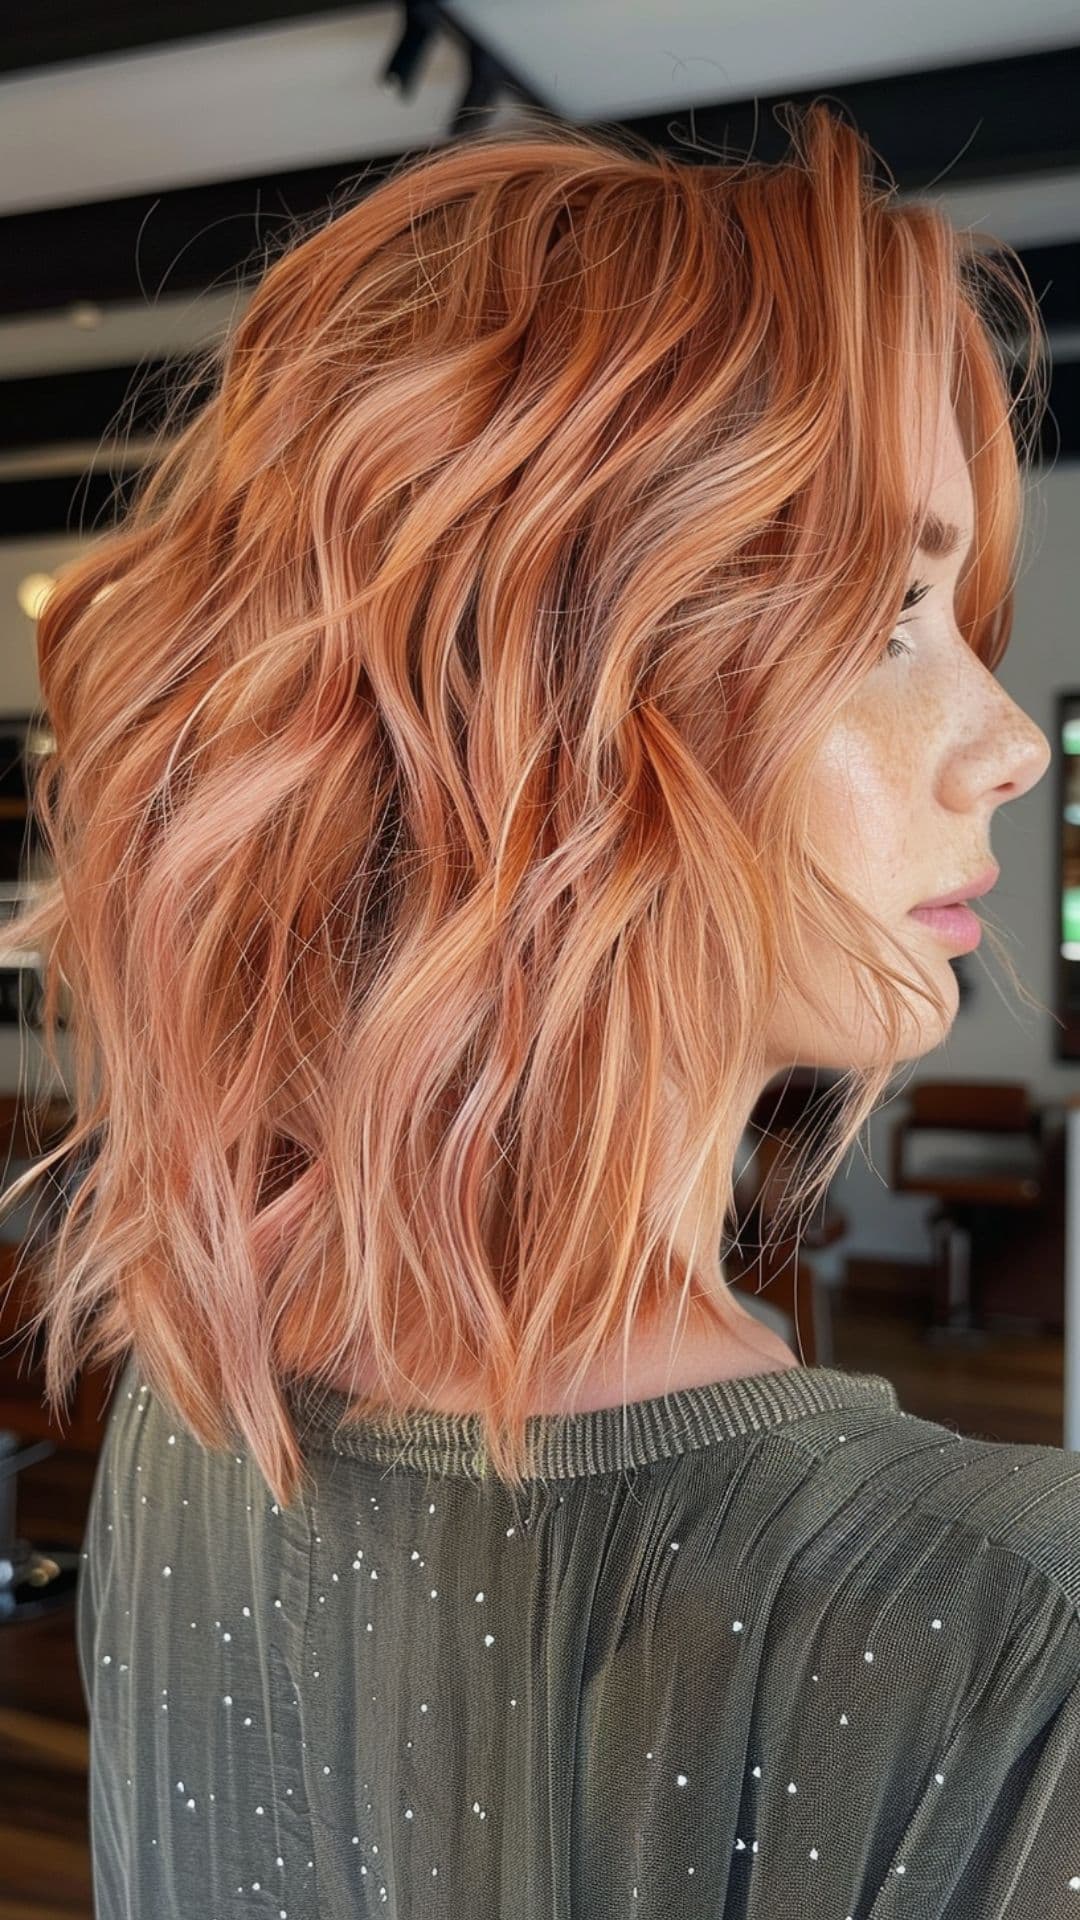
column 1009, row 1389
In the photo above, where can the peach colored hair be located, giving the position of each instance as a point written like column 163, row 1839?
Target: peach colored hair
column 431, row 781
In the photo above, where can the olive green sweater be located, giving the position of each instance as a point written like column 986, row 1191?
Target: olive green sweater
column 771, row 1649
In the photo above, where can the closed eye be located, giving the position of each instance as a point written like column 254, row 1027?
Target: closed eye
column 914, row 594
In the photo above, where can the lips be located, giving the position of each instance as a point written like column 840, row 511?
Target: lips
column 971, row 890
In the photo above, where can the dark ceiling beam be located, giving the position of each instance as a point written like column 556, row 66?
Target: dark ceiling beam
column 1054, row 272
column 989, row 120
column 61, row 30
column 83, row 405
column 983, row 120
column 61, row 506
column 151, row 246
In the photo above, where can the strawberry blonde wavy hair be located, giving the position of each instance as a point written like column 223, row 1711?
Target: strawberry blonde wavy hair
column 431, row 746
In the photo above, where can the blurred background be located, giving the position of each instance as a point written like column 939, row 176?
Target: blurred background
column 149, row 154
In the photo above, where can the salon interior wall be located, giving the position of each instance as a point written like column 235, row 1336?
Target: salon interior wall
column 994, row 1035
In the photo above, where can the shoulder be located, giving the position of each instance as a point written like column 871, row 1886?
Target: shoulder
column 895, row 1606
column 971, row 1496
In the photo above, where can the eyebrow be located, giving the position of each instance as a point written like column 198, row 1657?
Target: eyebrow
column 939, row 538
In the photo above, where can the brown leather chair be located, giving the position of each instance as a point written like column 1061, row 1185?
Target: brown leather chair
column 1001, row 1165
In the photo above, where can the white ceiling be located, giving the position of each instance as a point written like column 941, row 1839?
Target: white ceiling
column 290, row 95
column 601, row 58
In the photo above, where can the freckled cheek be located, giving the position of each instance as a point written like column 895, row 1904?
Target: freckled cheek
column 867, row 782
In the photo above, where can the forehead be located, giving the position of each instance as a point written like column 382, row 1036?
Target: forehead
column 939, row 471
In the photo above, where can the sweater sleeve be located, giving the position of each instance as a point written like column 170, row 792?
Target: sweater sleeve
column 1026, row 1864
column 1040, row 1845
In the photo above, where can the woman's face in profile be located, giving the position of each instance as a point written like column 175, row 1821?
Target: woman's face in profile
column 906, row 786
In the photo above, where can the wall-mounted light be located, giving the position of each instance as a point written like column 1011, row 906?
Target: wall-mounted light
column 84, row 314
column 32, row 591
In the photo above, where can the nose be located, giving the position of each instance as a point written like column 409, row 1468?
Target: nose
column 1028, row 757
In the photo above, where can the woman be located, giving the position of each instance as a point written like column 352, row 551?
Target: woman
column 520, row 718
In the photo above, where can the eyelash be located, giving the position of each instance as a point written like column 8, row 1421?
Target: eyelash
column 911, row 598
